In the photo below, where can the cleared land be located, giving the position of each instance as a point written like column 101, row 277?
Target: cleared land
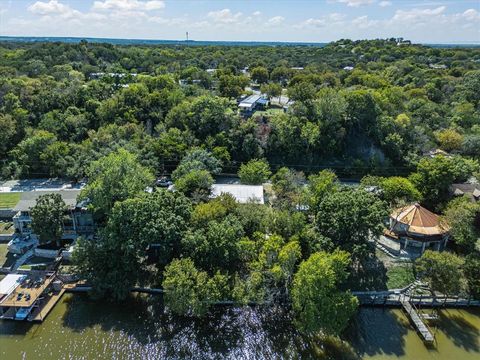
column 9, row 200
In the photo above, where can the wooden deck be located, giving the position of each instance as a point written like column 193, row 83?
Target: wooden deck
column 418, row 322
column 33, row 291
column 39, row 314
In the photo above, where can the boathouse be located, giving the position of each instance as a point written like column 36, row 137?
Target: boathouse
column 29, row 296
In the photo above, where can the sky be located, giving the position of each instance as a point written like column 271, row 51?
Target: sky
column 424, row 21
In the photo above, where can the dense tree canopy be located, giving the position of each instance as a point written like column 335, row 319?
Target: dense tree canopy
column 316, row 300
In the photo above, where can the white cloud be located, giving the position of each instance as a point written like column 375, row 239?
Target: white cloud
column 128, row 5
column 49, row 8
column 333, row 19
column 471, row 15
column 224, row 16
column 385, row 3
column 356, row 3
column 363, row 22
column 257, row 13
column 417, row 14
column 276, row 20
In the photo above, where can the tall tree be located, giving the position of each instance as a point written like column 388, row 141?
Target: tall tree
column 115, row 177
column 189, row 291
column 255, row 172
column 318, row 303
column 351, row 217
column 442, row 271
column 48, row 215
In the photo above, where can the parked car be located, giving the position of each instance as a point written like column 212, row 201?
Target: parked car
column 163, row 182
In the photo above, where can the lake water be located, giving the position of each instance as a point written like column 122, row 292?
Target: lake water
column 79, row 328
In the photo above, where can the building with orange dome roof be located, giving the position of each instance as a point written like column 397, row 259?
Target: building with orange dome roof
column 417, row 227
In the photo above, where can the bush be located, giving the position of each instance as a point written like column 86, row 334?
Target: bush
column 255, row 172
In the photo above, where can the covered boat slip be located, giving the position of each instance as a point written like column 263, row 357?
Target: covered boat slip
column 31, row 297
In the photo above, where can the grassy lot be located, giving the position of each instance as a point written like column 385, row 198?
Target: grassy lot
column 9, row 200
column 6, row 228
column 268, row 112
column 400, row 276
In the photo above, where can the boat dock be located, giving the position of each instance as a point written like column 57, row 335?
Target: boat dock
column 417, row 321
column 40, row 313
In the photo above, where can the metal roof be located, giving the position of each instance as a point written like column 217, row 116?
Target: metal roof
column 241, row 193
column 252, row 99
column 29, row 198
column 420, row 220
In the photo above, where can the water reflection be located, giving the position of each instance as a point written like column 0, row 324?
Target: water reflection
column 140, row 328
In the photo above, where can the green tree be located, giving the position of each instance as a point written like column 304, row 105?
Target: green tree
column 442, row 271
column 351, row 217
column 287, row 185
column 396, row 190
column 189, row 291
column 215, row 246
column 115, row 177
column 318, row 304
column 435, row 175
column 159, row 219
column 319, row 186
column 232, row 86
column 449, row 139
column 461, row 215
column 471, row 269
column 259, row 74
column 197, row 159
column 108, row 265
column 197, row 184
column 272, row 90
column 302, row 91
column 255, row 172
column 48, row 215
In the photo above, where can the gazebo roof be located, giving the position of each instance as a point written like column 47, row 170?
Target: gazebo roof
column 420, row 220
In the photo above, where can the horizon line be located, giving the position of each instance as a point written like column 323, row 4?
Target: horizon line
column 464, row 42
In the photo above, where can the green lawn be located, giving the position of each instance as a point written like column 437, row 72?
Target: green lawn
column 400, row 276
column 9, row 200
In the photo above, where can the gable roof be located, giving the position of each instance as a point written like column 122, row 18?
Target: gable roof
column 419, row 220
column 472, row 191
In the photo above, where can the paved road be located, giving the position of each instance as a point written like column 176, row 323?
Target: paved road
column 38, row 185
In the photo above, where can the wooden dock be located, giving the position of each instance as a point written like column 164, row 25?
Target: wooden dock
column 418, row 322
column 40, row 313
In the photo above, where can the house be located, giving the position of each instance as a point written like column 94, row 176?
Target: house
column 242, row 193
column 472, row 191
column 251, row 103
column 416, row 228
column 78, row 220
column 437, row 66
column 436, row 152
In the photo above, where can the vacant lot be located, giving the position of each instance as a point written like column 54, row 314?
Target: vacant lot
column 9, row 200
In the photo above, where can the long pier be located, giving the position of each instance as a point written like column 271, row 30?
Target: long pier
column 418, row 322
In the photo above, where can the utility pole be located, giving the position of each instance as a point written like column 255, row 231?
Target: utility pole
column 187, row 37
